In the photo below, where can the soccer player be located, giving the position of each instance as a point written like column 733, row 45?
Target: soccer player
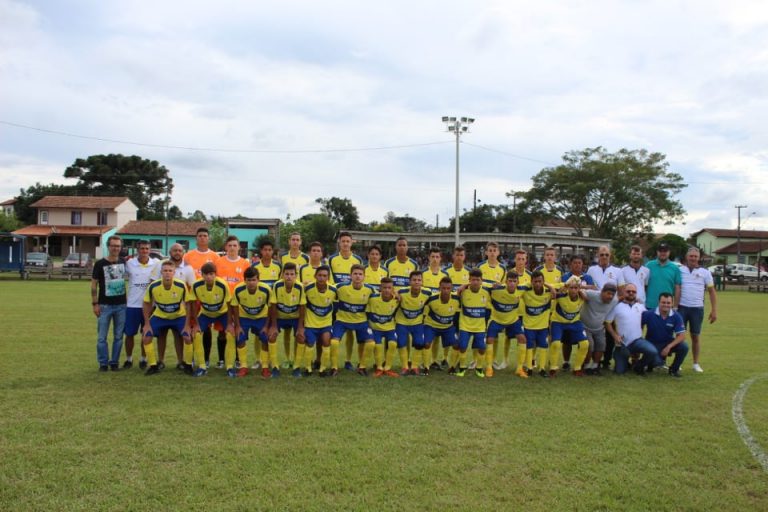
column 250, row 315
column 307, row 272
column 457, row 271
column 666, row 330
column 269, row 268
column 505, row 317
column 374, row 271
column 537, row 302
column 576, row 268
column 167, row 306
column 475, row 307
column 318, row 320
column 213, row 296
column 230, row 268
column 294, row 254
column 381, row 319
column 409, row 322
column 492, row 269
column 440, row 315
column 186, row 274
column 523, row 284
column 350, row 316
column 434, row 273
column 566, row 319
column 549, row 269
column 400, row 266
column 695, row 280
column 340, row 264
column 108, row 300
column 196, row 258
column 141, row 272
column 287, row 308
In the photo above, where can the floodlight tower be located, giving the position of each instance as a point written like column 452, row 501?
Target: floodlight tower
column 458, row 126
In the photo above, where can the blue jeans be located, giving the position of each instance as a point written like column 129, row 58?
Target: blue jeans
column 642, row 346
column 117, row 315
column 680, row 351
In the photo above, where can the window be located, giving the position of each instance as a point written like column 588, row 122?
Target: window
column 43, row 217
column 102, row 218
column 77, row 218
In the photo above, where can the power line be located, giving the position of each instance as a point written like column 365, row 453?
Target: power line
column 519, row 157
column 221, row 150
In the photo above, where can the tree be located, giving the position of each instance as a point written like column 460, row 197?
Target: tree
column 678, row 247
column 615, row 195
column 314, row 227
column 341, row 211
column 25, row 213
column 198, row 216
column 175, row 213
column 144, row 181
column 405, row 223
column 8, row 223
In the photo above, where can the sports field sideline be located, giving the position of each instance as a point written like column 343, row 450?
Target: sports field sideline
column 76, row 439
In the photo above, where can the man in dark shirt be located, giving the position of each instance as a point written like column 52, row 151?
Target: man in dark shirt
column 108, row 299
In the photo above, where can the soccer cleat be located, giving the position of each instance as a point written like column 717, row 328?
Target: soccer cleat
column 114, row 367
column 391, row 373
column 334, row 372
column 405, row 372
column 378, row 373
column 544, row 373
column 256, row 365
column 489, row 372
column 103, row 368
column 287, row 365
column 520, row 372
column 323, row 373
column 675, row 373
column 552, row 373
column 242, row 372
column 566, row 365
column 265, row 373
column 161, row 365
column 275, row 372
column 180, row 367
column 220, row 365
column 152, row 370
column 697, row 368
column 232, row 373
column 306, row 373
column 415, row 371
column 479, row 372
column 127, row 365
column 529, row 372
column 425, row 372
column 452, row 371
column 296, row 372
column 200, row 372
column 362, row 372
column 349, row 366
column 461, row 372
column 143, row 364
column 316, row 365
column 578, row 373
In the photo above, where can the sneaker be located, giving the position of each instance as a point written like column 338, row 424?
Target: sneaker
column 552, row 373
column 405, row 372
column 520, row 372
column 265, row 373
column 152, row 370
column 471, row 365
column 566, row 366
column 143, row 364
column 391, row 373
column 287, row 365
column 220, row 365
column 161, row 365
column 504, row 365
column 461, row 372
column 275, row 372
column 578, row 373
column 496, row 365
column 242, row 372
column 127, row 365
column 296, row 373
column 200, row 372
column 489, row 372
column 306, row 373
column 231, row 373
column 349, row 366
column 479, row 372
column 444, row 363
column 363, row 372
column 187, row 368
column 378, row 373
column 323, row 373
column 415, row 371
column 256, row 365
column 334, row 372
column 114, row 367
column 103, row 368
column 529, row 372
column 424, row 372
column 451, row 371
column 544, row 373
column 675, row 373
column 697, row 368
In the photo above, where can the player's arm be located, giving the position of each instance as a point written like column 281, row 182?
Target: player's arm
column 95, row 297
column 272, row 322
column 712, row 303
column 234, row 311
column 300, row 324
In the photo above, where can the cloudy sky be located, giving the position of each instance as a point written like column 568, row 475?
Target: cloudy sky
column 264, row 82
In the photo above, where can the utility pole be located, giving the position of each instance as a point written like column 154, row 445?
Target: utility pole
column 738, row 207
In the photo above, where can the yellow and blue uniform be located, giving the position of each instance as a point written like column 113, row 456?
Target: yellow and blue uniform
column 350, row 312
column 523, row 280
column 268, row 274
column 536, row 325
column 492, row 274
column 459, row 278
column 400, row 272
column 566, row 326
column 318, row 318
column 300, row 260
column 341, row 267
column 170, row 305
column 253, row 310
column 287, row 304
column 505, row 313
column 307, row 275
column 381, row 317
column 475, row 306
column 552, row 276
column 409, row 318
column 431, row 281
column 373, row 277
column 440, row 319
column 214, row 302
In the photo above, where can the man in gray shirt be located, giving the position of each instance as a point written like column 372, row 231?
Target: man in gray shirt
column 593, row 313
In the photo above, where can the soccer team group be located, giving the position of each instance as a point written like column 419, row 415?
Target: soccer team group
column 437, row 319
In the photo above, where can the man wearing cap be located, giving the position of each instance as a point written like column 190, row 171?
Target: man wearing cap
column 663, row 276
column 596, row 307
column 628, row 334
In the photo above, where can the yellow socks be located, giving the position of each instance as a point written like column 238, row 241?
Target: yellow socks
column 426, row 356
column 350, row 339
column 581, row 354
column 242, row 354
column 489, row 356
column 378, row 355
column 555, row 349
column 390, row 357
column 188, row 353
column 541, row 358
column 453, row 362
column 264, row 357
column 229, row 352
column 529, row 358
column 301, row 351
column 325, row 359
column 335, row 353
column 149, row 349
column 272, row 350
column 403, row 357
column 199, row 352
column 521, row 351
column 367, row 354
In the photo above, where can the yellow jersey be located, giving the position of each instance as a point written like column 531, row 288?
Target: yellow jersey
column 411, row 310
column 373, row 277
column 381, row 313
column 300, row 260
column 252, row 305
column 439, row 314
column 537, row 309
column 319, row 306
column 505, row 305
column 307, row 275
column 567, row 311
column 213, row 302
column 268, row 274
column 474, row 308
column 170, row 304
column 352, row 302
column 431, row 280
column 552, row 276
column 341, row 267
column 287, row 302
column 523, row 280
column 400, row 272
column 492, row 274
column 458, row 277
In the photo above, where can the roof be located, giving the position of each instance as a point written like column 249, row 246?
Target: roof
column 157, row 227
column 85, row 202
column 8, row 202
column 48, row 230
column 731, row 233
column 746, row 247
column 554, row 223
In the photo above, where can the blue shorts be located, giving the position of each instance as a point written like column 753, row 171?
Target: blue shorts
column 416, row 332
column 251, row 326
column 693, row 318
column 158, row 325
column 206, row 321
column 478, row 340
column 362, row 332
column 313, row 335
column 447, row 336
column 511, row 330
column 134, row 321
column 571, row 333
column 379, row 336
column 536, row 338
column 287, row 323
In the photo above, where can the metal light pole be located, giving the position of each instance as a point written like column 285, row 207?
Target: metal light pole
column 457, row 125
column 738, row 232
column 167, row 211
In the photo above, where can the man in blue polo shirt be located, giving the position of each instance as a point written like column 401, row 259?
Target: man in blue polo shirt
column 664, row 328
column 663, row 276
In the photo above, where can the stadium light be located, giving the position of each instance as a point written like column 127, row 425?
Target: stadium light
column 457, row 127
column 738, row 232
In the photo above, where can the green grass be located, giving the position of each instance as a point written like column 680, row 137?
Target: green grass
column 76, row 439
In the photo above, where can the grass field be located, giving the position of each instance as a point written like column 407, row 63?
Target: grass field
column 76, row 439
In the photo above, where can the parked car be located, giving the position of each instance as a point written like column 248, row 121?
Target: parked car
column 741, row 272
column 78, row 260
column 38, row 262
column 157, row 254
column 716, row 270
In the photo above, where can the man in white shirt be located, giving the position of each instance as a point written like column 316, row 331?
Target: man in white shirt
column 140, row 271
column 635, row 272
column 696, row 281
column 628, row 334
column 605, row 272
